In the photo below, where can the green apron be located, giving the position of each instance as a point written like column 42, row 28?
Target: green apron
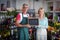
column 23, row 33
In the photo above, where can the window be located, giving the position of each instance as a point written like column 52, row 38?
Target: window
column 8, row 3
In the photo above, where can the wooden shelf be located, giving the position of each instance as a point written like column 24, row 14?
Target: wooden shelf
column 3, row 11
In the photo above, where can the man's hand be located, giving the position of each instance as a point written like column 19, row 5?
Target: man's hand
column 28, row 26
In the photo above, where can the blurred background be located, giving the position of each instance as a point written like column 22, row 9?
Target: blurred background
column 10, row 8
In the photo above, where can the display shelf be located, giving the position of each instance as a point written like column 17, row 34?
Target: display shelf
column 57, row 11
column 3, row 11
column 53, row 7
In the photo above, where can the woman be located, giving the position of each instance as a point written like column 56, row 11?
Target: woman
column 22, row 24
column 43, row 25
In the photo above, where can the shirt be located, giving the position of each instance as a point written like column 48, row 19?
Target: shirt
column 20, row 16
column 43, row 24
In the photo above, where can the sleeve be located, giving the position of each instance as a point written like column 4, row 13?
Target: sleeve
column 18, row 17
column 46, row 24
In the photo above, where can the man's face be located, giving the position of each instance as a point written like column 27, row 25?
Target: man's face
column 25, row 8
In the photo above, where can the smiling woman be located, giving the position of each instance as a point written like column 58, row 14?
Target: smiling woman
column 43, row 25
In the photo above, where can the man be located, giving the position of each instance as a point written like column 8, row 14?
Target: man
column 22, row 23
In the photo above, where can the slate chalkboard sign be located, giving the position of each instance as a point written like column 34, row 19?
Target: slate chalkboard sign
column 33, row 21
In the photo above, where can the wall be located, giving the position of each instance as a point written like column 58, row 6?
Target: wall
column 3, row 2
column 32, row 4
column 20, row 2
column 13, row 3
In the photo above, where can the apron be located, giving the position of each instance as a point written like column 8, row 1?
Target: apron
column 41, row 31
column 41, row 34
column 23, row 33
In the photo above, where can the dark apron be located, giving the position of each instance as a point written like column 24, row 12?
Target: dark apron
column 23, row 33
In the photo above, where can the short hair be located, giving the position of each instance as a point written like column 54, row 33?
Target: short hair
column 25, row 5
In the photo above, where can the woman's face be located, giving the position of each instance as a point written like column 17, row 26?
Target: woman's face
column 41, row 12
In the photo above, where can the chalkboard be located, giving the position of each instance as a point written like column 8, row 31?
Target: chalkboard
column 33, row 22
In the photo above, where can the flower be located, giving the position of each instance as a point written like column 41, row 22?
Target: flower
column 10, row 9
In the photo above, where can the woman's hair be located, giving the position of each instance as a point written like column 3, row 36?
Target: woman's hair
column 40, row 9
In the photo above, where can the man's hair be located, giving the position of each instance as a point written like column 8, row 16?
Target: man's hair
column 25, row 5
